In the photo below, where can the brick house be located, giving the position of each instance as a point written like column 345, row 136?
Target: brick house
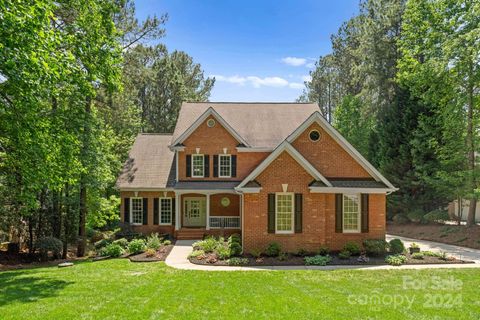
column 268, row 171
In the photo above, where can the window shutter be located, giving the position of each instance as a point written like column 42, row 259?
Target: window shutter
column 338, row 212
column 234, row 166
column 206, row 165
column 189, row 165
column 298, row 212
column 145, row 211
column 173, row 211
column 271, row 213
column 215, row 166
column 156, row 211
column 364, row 211
column 126, row 210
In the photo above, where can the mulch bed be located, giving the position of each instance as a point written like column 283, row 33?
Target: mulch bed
column 24, row 260
column 444, row 233
column 161, row 255
column 293, row 260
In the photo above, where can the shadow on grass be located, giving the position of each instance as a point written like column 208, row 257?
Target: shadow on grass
column 16, row 286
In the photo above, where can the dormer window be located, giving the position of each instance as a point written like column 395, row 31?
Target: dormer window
column 224, row 166
column 198, row 166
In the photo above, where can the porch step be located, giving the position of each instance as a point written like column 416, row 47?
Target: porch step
column 190, row 234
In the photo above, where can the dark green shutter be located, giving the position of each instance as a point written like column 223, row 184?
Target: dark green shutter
column 364, row 205
column 173, row 211
column 234, row 166
column 338, row 212
column 298, row 212
column 271, row 213
column 189, row 165
column 145, row 211
column 126, row 210
column 206, row 166
column 215, row 166
column 156, row 215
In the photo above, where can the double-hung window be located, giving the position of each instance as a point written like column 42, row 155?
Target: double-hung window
column 351, row 213
column 284, row 213
column 198, row 166
column 224, row 166
column 165, row 205
column 136, row 210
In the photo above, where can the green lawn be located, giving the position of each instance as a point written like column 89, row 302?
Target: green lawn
column 119, row 289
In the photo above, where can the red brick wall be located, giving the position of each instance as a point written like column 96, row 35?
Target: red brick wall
column 327, row 156
column 150, row 227
column 216, row 208
column 318, row 212
column 211, row 141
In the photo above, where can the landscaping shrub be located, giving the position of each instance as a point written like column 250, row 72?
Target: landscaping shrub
column 352, row 247
column 150, row 252
column 375, row 247
column 416, row 215
column 324, row 250
column 47, row 244
column 317, row 260
column 418, row 255
column 282, row 256
column 235, row 261
column 400, row 219
column 234, row 245
column 396, row 246
column 438, row 216
column 344, row 254
column 256, row 253
column 396, row 260
column 167, row 242
column 122, row 242
column 136, row 246
column 197, row 253
column 432, row 254
column 112, row 250
column 273, row 249
column 208, row 244
column 223, row 252
column 302, row 253
column 154, row 241
column 102, row 243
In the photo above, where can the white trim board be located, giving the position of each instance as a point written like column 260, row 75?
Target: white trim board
column 318, row 118
column 350, row 190
column 284, row 146
column 209, row 112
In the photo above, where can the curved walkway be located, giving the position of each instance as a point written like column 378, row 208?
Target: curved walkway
column 178, row 259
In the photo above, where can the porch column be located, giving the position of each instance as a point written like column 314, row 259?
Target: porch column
column 178, row 207
column 208, row 211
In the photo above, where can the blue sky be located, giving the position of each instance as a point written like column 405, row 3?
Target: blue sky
column 257, row 50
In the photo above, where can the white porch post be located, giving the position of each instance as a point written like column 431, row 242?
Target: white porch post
column 178, row 207
column 208, row 211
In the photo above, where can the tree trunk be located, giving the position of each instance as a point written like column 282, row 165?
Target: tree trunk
column 56, row 215
column 66, row 225
column 471, row 153
column 30, row 235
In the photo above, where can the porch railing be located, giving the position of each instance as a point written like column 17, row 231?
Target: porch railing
column 226, row 222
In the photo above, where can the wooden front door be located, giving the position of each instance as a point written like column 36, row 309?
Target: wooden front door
column 194, row 212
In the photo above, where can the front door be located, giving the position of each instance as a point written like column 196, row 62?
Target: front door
column 194, row 213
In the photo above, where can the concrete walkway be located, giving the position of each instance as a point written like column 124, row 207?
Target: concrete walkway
column 178, row 259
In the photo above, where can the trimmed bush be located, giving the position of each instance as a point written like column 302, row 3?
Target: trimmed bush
column 150, row 252
column 167, row 242
column 273, row 249
column 400, row 219
column 344, row 255
column 256, row 253
column 416, row 215
column 237, row 261
column 102, row 243
column 375, row 247
column 223, row 252
column 112, row 250
column 396, row 246
column 418, row 255
column 136, row 246
column 436, row 216
column 208, row 244
column 396, row 260
column 352, row 247
column 122, row 242
column 234, row 245
column 317, row 260
column 324, row 250
column 197, row 253
column 49, row 244
column 154, row 241
column 432, row 254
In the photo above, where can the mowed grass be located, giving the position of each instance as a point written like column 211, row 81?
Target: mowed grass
column 120, row 289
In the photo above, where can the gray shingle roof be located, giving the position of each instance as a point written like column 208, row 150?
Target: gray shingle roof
column 206, row 185
column 259, row 124
column 356, row 183
column 150, row 163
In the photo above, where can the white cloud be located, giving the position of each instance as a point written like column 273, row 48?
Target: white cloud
column 257, row 82
column 294, row 61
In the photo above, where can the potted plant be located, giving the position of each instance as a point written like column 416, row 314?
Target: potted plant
column 414, row 248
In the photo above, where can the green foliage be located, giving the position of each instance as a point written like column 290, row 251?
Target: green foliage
column 223, row 252
column 167, row 242
column 49, row 244
column 324, row 250
column 396, row 260
column 396, row 246
column 283, row 256
column 431, row 254
column 414, row 245
column 112, row 250
column 208, row 245
column 416, row 216
column 344, row 254
column 436, row 216
column 197, row 253
column 154, row 241
column 136, row 246
column 122, row 243
column 418, row 255
column 352, row 247
column 234, row 245
column 273, row 249
column 102, row 243
column 317, row 260
column 375, row 247
column 150, row 252
column 302, row 252
column 256, row 253
column 400, row 219
column 235, row 261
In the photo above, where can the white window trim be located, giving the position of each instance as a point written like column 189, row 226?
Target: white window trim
column 160, row 211
column 359, row 216
column 131, row 213
column 293, row 213
column 219, row 166
column 203, row 166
